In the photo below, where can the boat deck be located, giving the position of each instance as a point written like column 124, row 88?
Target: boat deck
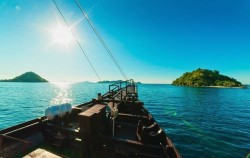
column 115, row 125
column 52, row 150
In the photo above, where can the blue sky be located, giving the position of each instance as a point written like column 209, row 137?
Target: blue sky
column 153, row 41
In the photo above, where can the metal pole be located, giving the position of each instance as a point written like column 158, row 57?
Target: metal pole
column 113, row 131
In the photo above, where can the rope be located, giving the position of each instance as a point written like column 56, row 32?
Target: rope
column 101, row 40
column 77, row 41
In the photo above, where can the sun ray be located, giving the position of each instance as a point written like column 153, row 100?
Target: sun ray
column 61, row 35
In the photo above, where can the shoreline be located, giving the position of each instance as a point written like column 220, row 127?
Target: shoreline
column 242, row 87
column 224, row 87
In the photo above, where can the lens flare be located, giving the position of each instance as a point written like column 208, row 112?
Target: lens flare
column 62, row 35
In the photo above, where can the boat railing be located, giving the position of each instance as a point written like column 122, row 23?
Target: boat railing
column 23, row 145
column 118, row 89
column 119, row 94
column 20, row 126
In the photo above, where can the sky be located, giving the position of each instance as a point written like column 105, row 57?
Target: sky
column 154, row 41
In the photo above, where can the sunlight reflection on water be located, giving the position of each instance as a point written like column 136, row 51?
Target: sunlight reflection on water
column 63, row 93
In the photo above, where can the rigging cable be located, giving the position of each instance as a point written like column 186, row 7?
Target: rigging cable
column 77, row 41
column 101, row 40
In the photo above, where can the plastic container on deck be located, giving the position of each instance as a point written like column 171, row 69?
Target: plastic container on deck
column 57, row 110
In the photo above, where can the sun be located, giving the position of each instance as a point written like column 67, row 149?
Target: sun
column 61, row 35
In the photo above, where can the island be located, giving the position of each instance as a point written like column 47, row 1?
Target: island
column 106, row 81
column 206, row 78
column 114, row 81
column 26, row 77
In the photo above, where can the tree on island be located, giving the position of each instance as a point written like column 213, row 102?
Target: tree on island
column 26, row 77
column 205, row 77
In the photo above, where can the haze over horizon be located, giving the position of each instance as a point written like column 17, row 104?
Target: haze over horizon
column 153, row 41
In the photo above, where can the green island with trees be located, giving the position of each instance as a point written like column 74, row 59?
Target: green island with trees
column 206, row 78
column 26, row 77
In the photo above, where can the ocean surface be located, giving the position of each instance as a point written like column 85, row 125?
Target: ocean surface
column 202, row 122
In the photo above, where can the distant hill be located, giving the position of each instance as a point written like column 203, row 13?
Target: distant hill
column 106, row 81
column 115, row 81
column 26, row 77
column 87, row 82
column 205, row 77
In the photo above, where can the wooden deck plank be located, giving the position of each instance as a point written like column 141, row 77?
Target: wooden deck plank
column 41, row 153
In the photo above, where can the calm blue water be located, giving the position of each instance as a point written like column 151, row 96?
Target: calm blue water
column 202, row 122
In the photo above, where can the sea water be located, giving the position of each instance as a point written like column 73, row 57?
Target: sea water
column 201, row 122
